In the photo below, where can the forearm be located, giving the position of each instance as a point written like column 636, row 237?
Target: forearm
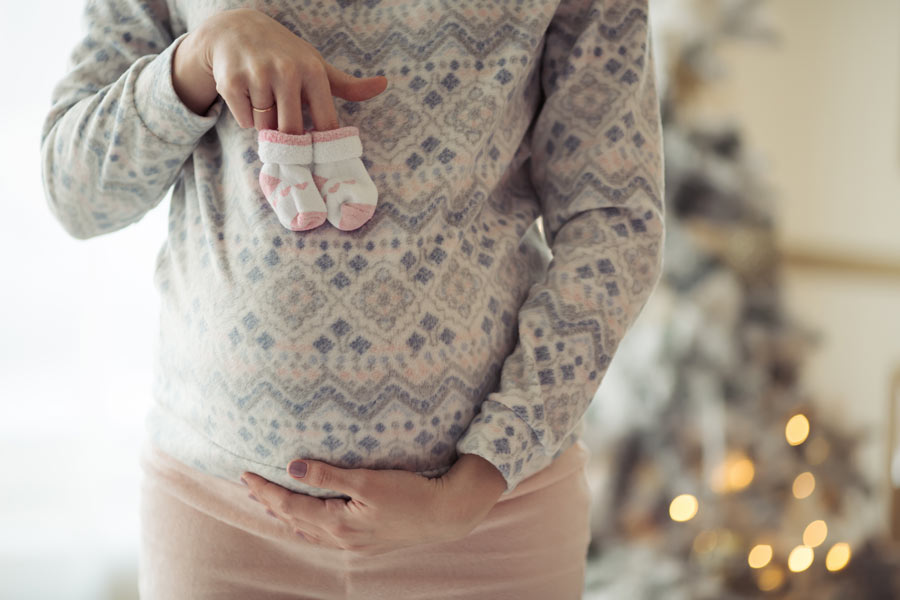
column 117, row 133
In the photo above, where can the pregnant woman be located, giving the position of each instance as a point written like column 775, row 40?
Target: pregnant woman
column 400, row 386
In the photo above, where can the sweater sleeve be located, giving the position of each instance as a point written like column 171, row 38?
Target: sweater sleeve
column 597, row 166
column 117, row 135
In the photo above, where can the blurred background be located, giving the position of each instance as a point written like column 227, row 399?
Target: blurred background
column 745, row 437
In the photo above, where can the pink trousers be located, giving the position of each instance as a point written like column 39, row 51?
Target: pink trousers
column 202, row 537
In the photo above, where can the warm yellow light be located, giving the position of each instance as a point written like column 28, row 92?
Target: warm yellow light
column 733, row 474
column 740, row 473
column 797, row 430
column 815, row 533
column 804, row 484
column 838, row 556
column 683, row 507
column 770, row 578
column 800, row 558
column 760, row 556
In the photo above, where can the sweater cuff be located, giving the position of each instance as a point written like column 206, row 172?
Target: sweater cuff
column 161, row 109
column 498, row 435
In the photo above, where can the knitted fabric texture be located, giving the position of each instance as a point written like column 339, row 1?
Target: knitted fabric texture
column 438, row 327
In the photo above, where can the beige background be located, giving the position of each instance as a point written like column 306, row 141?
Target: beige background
column 822, row 110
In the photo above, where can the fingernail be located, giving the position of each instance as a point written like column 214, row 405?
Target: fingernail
column 298, row 468
column 252, row 497
column 244, row 481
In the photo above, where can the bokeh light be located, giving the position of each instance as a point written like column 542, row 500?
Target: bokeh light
column 683, row 507
column 800, row 558
column 760, row 555
column 817, row 450
column 705, row 541
column 733, row 474
column 770, row 578
column 804, row 484
column 797, row 430
column 838, row 557
column 815, row 533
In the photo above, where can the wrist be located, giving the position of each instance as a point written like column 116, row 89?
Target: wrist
column 193, row 83
column 473, row 476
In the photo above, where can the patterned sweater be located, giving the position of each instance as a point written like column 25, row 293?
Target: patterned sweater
column 441, row 326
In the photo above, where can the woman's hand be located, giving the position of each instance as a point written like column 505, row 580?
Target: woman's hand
column 250, row 58
column 388, row 509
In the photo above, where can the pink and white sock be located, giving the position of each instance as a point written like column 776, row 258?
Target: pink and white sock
column 286, row 179
column 342, row 178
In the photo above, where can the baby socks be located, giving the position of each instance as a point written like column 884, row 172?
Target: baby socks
column 317, row 175
column 342, row 178
column 286, row 180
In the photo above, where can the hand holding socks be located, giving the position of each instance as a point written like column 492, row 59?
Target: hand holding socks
column 286, row 180
column 341, row 177
column 301, row 173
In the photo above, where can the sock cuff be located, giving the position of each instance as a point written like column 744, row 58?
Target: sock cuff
column 336, row 144
column 285, row 148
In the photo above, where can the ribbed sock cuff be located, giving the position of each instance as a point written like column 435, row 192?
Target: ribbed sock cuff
column 285, row 148
column 336, row 144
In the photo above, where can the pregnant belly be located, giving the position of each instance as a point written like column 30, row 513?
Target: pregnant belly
column 378, row 376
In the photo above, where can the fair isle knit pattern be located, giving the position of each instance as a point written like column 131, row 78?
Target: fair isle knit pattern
column 432, row 330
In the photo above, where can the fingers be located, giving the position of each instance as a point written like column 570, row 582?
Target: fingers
column 286, row 87
column 288, row 108
column 313, row 81
column 319, row 98
column 234, row 91
column 255, row 59
column 261, row 96
column 315, row 517
column 352, row 88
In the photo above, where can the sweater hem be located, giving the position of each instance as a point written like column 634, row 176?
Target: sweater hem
column 189, row 446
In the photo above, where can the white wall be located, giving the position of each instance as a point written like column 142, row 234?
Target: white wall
column 823, row 110
column 78, row 321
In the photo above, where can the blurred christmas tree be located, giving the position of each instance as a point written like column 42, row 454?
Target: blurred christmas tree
column 721, row 481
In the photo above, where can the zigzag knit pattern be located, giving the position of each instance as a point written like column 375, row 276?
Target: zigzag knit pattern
column 438, row 327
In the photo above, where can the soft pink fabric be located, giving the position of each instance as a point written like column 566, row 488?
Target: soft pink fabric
column 355, row 214
column 203, row 538
column 309, row 219
column 278, row 137
column 330, row 135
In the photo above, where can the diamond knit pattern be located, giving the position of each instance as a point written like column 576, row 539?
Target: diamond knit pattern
column 440, row 326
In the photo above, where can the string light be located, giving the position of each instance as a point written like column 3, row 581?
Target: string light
column 797, row 430
column 815, row 533
column 804, row 484
column 733, row 474
column 770, row 578
column 760, row 556
column 800, row 558
column 683, row 507
column 838, row 557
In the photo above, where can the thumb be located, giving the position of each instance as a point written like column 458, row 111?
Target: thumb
column 322, row 475
column 348, row 87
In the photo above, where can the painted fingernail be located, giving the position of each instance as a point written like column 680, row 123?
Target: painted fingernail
column 252, row 497
column 298, row 468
